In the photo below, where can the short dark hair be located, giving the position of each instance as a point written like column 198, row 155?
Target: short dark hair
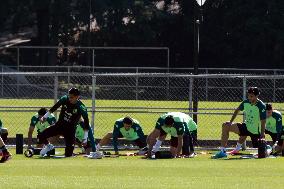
column 127, row 120
column 42, row 111
column 74, row 91
column 169, row 120
column 253, row 90
column 268, row 106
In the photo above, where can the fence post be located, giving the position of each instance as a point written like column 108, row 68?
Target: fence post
column 136, row 84
column 68, row 80
column 274, row 87
column 190, row 95
column 93, row 102
column 55, row 91
column 2, row 79
column 244, row 145
column 206, row 86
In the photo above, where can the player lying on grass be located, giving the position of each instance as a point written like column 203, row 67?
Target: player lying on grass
column 273, row 128
column 254, row 125
column 3, row 132
column 40, row 126
column 176, row 124
column 129, row 129
column 71, row 111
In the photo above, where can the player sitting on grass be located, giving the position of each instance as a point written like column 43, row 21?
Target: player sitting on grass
column 40, row 126
column 254, row 126
column 129, row 129
column 71, row 111
column 175, row 124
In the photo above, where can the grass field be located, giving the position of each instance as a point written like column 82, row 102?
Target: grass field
column 134, row 172
column 209, row 125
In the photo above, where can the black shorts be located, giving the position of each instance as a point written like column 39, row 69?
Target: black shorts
column 173, row 140
column 272, row 135
column 244, row 132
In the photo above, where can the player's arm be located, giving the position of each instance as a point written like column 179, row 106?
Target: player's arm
column 262, row 114
column 31, row 130
column 115, row 135
column 86, row 125
column 140, row 132
column 54, row 107
column 279, row 126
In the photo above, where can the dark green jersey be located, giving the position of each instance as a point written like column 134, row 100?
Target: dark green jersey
column 71, row 113
column 35, row 122
column 133, row 133
column 274, row 122
column 253, row 114
column 181, row 125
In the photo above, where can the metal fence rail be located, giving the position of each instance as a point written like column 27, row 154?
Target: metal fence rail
column 144, row 96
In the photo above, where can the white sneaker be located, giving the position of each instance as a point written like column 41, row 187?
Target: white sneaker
column 95, row 155
column 46, row 149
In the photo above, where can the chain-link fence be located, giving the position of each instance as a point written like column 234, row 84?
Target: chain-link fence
column 142, row 96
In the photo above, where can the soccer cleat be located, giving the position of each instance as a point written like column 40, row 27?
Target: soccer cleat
column 192, row 155
column 219, row 154
column 234, row 152
column 5, row 157
column 46, row 149
column 96, row 155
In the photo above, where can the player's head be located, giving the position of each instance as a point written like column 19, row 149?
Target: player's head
column 73, row 95
column 41, row 112
column 169, row 121
column 253, row 93
column 127, row 122
column 269, row 109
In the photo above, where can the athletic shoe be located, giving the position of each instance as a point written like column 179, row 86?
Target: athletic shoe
column 95, row 155
column 220, row 154
column 46, row 149
column 5, row 157
column 234, row 152
column 192, row 155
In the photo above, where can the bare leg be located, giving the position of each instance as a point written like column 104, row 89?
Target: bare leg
column 226, row 129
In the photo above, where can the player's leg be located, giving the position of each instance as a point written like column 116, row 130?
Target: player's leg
column 226, row 129
column 141, row 143
column 104, row 141
column 5, row 154
column 4, row 134
column 151, row 140
column 239, row 145
column 173, row 145
column 69, row 137
column 54, row 130
column 159, row 141
column 91, row 141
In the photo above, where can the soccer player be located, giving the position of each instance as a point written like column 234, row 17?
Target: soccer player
column 127, row 128
column 40, row 126
column 175, row 124
column 71, row 111
column 254, row 126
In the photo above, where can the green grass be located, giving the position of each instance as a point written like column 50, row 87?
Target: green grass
column 209, row 125
column 134, row 172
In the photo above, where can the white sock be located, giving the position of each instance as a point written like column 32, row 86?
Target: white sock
column 98, row 147
column 238, row 147
column 223, row 149
column 157, row 146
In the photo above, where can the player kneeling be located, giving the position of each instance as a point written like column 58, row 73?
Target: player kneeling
column 129, row 129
